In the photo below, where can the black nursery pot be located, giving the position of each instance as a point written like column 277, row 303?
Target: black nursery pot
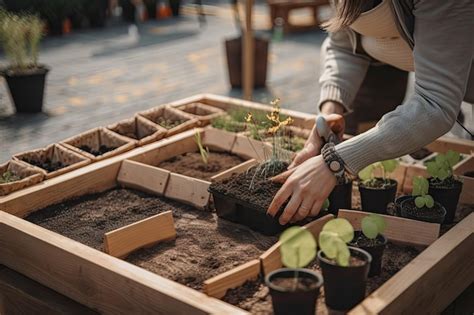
column 27, row 89
column 375, row 251
column 239, row 211
column 344, row 287
column 448, row 197
column 376, row 199
column 286, row 300
column 340, row 198
column 408, row 210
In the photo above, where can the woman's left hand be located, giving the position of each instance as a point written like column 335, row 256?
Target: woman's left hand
column 309, row 184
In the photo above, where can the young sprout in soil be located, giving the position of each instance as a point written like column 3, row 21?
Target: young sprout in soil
column 333, row 240
column 298, row 248
column 420, row 192
column 8, row 177
column 203, row 151
column 441, row 169
column 373, row 225
column 367, row 175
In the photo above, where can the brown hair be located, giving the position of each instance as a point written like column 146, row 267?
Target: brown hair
column 347, row 11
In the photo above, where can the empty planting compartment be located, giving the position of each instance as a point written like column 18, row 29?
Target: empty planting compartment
column 98, row 144
column 204, row 113
column 53, row 160
column 16, row 175
column 171, row 119
column 139, row 130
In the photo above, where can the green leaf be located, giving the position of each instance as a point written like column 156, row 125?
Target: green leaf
column 379, row 220
column 343, row 254
column 453, row 157
column 432, row 169
column 326, row 204
column 366, row 173
column 369, row 228
column 298, row 247
column 341, row 227
column 429, row 201
column 389, row 165
column 440, row 159
column 327, row 242
column 420, row 202
column 420, row 186
column 443, row 174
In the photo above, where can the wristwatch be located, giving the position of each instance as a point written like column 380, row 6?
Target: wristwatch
column 334, row 162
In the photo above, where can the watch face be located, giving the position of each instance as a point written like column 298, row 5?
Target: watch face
column 335, row 166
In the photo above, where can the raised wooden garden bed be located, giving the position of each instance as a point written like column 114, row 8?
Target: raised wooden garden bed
column 68, row 254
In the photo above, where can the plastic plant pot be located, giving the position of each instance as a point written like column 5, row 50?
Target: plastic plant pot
column 340, row 198
column 344, row 287
column 376, row 251
column 436, row 215
column 290, row 300
column 448, row 197
column 376, row 199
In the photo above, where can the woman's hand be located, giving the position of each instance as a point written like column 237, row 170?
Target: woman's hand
column 314, row 143
column 308, row 184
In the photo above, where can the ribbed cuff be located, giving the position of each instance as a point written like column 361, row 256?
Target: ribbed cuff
column 332, row 92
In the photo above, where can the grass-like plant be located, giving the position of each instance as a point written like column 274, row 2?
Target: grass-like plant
column 333, row 240
column 420, row 192
column 367, row 175
column 373, row 225
column 8, row 177
column 203, row 151
column 20, row 35
column 441, row 169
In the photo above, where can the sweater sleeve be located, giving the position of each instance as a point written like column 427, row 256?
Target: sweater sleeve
column 343, row 69
column 442, row 54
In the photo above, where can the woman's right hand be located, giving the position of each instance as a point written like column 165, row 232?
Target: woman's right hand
column 314, row 143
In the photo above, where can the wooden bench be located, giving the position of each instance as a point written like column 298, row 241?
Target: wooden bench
column 281, row 9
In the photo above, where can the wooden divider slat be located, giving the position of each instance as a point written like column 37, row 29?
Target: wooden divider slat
column 143, row 177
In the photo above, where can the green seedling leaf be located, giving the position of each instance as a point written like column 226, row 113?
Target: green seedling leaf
column 429, row 201
column 343, row 254
column 432, row 169
column 366, row 173
column 341, row 227
column 326, row 204
column 453, row 157
column 373, row 225
column 420, row 186
column 440, row 159
column 420, row 202
column 298, row 247
column 389, row 165
column 327, row 242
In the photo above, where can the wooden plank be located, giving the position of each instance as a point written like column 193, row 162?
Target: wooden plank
column 467, row 193
column 412, row 171
column 188, row 190
column 432, row 280
column 242, row 167
column 251, row 149
column 144, row 233
column 217, row 286
column 399, row 230
column 143, row 177
column 466, row 165
column 271, row 259
column 218, row 139
column 21, row 295
column 95, row 279
column 443, row 144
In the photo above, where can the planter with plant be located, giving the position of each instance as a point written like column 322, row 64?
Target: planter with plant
column 171, row 119
column 345, row 269
column 371, row 240
column 294, row 290
column 443, row 185
column 16, row 175
column 20, row 36
column 377, row 192
column 420, row 205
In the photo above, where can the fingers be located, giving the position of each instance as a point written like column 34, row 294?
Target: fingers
column 281, row 178
column 316, row 208
column 280, row 198
column 302, row 156
column 304, row 210
column 290, row 209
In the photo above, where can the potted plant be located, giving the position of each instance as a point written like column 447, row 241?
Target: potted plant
column 371, row 240
column 341, row 196
column 377, row 192
column 345, row 268
column 294, row 290
column 443, row 185
column 420, row 205
column 20, row 36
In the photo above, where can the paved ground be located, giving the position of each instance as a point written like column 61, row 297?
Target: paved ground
column 99, row 77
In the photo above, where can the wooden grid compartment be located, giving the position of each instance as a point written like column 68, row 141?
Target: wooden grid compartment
column 138, row 130
column 202, row 112
column 28, row 176
column 163, row 114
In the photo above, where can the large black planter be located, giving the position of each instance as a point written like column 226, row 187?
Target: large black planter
column 448, row 197
column 344, row 287
column 290, row 301
column 408, row 210
column 340, row 198
column 27, row 89
column 376, row 199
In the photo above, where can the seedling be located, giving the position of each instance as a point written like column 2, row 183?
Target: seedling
column 203, row 151
column 441, row 168
column 367, row 175
column 420, row 192
column 8, row 177
column 333, row 240
column 373, row 225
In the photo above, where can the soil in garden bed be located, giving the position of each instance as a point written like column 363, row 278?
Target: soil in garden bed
column 102, row 149
column 205, row 245
column 47, row 164
column 191, row 164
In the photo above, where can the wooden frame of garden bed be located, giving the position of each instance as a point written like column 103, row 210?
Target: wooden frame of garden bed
column 109, row 285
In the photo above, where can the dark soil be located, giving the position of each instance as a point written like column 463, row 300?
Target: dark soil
column 377, row 183
column 47, row 164
column 410, row 207
column 205, row 245
column 302, row 284
column 469, row 174
column 364, row 241
column 191, row 164
column 353, row 261
column 252, row 186
column 420, row 154
column 102, row 149
column 448, row 183
column 169, row 123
